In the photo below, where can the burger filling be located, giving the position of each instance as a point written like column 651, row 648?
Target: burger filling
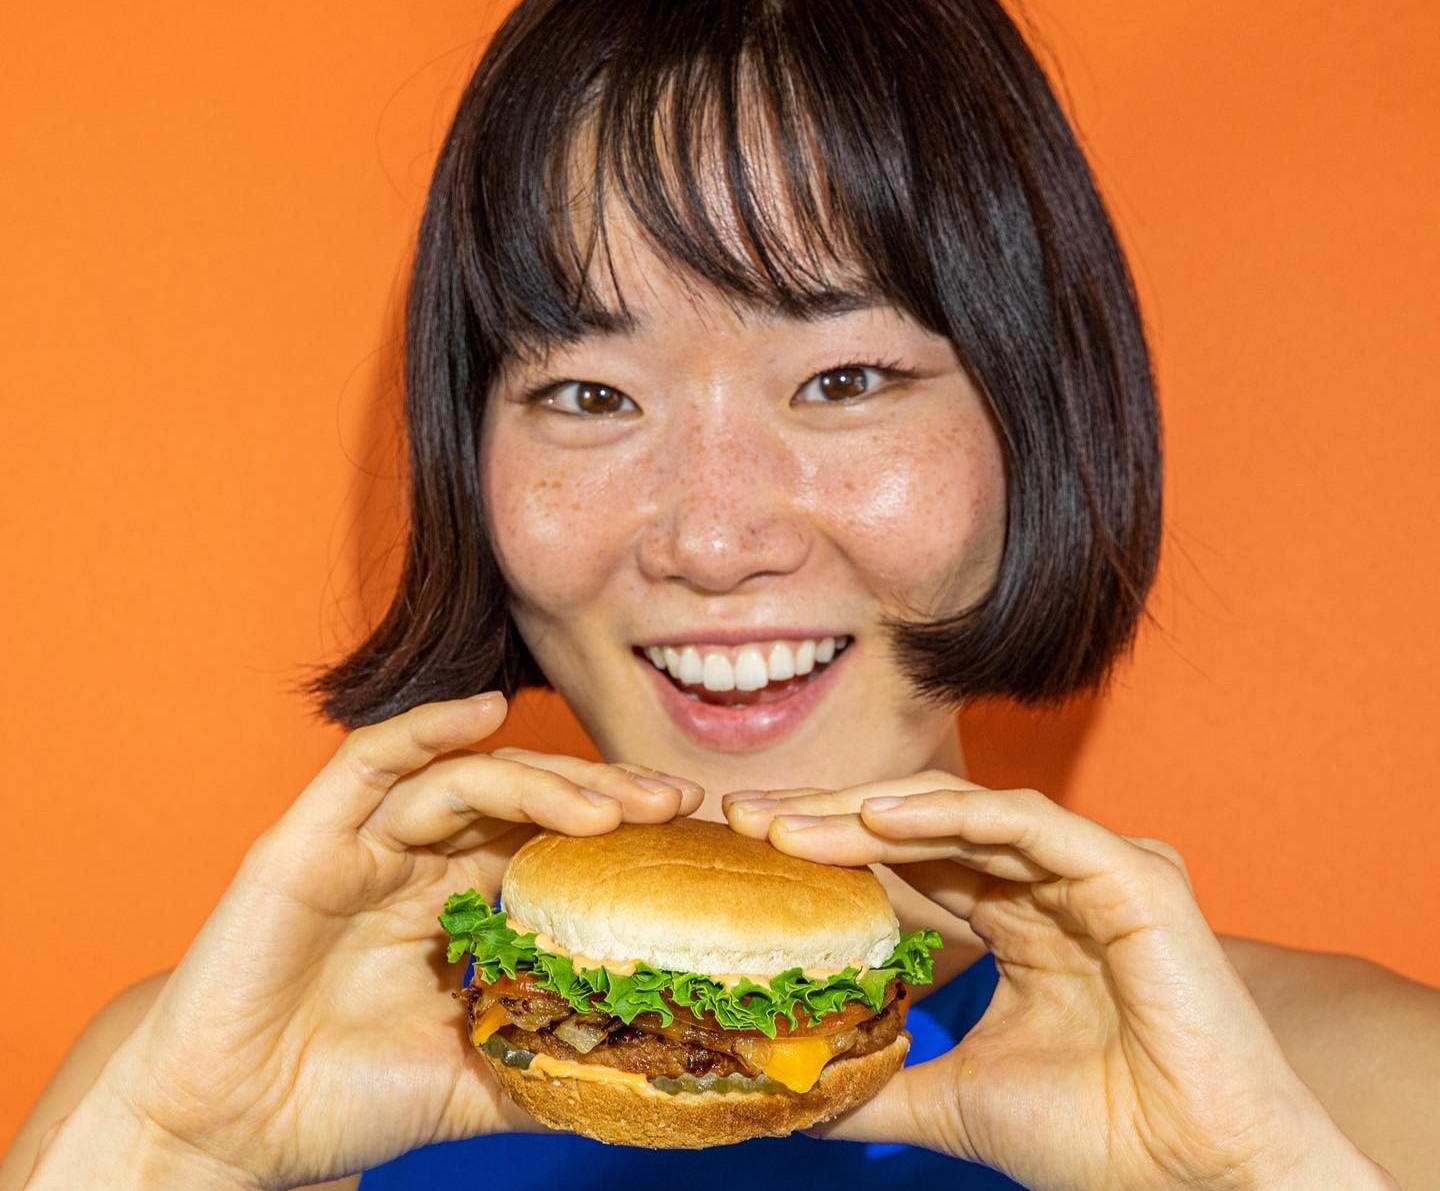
column 516, row 1018
column 660, row 1025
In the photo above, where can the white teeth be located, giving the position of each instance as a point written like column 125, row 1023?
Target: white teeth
column 692, row 669
column 719, row 673
column 750, row 671
column 782, row 663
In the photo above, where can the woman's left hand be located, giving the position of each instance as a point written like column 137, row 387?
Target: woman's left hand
column 1121, row 1049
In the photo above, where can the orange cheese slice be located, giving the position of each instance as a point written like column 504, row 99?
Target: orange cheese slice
column 490, row 1021
column 794, row 1062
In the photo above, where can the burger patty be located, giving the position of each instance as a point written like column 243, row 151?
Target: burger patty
column 680, row 1050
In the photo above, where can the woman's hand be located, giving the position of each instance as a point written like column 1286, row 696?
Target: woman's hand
column 310, row 1031
column 1121, row 1049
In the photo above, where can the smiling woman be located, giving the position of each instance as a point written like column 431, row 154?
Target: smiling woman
column 774, row 387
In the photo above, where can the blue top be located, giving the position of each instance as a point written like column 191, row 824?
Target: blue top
column 577, row 1163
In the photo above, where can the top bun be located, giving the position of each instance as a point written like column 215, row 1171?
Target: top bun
column 692, row 896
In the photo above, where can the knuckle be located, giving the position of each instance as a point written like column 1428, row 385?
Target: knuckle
column 1169, row 864
column 1166, row 851
column 358, row 757
column 1154, row 880
column 541, row 786
column 1030, row 799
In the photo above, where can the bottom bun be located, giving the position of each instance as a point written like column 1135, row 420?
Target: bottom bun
column 621, row 1114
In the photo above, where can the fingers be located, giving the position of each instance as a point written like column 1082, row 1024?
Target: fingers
column 750, row 812
column 1012, row 834
column 648, row 795
column 476, row 796
column 451, row 796
column 849, row 840
column 372, row 759
column 407, row 784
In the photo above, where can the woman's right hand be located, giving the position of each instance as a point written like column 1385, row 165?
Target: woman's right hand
column 310, row 1031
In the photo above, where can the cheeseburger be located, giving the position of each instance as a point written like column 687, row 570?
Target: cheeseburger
column 681, row 986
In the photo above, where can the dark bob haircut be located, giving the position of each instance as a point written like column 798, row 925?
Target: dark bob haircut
column 914, row 142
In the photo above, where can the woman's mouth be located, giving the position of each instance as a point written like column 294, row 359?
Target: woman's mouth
column 741, row 697
column 738, row 676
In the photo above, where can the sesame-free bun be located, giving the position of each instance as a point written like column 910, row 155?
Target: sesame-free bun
column 621, row 1115
column 692, row 896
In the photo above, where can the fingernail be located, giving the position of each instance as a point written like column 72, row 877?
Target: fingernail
column 880, row 804
column 596, row 797
column 744, row 795
column 755, row 804
column 651, row 783
column 486, row 697
column 797, row 822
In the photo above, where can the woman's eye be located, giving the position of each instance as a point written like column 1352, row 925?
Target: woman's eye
column 836, row 386
column 588, row 398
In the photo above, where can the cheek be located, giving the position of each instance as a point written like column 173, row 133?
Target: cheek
column 556, row 534
column 921, row 511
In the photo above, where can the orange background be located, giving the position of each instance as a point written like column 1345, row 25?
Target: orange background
column 206, row 211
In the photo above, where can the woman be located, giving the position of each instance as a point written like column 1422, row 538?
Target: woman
column 755, row 335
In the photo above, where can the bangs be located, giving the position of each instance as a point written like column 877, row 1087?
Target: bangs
column 767, row 161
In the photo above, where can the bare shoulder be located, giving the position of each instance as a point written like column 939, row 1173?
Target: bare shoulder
column 1327, row 984
column 1366, row 1040
column 115, row 1022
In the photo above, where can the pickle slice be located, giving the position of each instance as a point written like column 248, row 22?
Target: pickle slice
column 512, row 1056
column 717, row 1083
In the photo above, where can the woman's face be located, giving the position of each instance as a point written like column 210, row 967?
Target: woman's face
column 694, row 512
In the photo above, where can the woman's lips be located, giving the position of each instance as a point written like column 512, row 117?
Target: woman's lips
column 740, row 721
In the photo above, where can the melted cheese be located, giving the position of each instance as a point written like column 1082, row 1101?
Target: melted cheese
column 794, row 1062
column 490, row 1021
column 546, row 1067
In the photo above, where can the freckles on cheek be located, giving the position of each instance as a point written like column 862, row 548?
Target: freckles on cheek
column 926, row 511
column 548, row 531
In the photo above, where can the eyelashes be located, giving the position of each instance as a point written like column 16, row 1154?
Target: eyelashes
column 843, row 385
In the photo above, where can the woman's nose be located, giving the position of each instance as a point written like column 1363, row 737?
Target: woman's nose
column 725, row 512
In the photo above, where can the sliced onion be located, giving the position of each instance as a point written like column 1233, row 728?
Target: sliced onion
column 582, row 1036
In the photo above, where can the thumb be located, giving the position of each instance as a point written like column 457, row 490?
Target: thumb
column 917, row 1107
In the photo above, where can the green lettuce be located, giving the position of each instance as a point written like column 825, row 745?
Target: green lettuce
column 478, row 930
